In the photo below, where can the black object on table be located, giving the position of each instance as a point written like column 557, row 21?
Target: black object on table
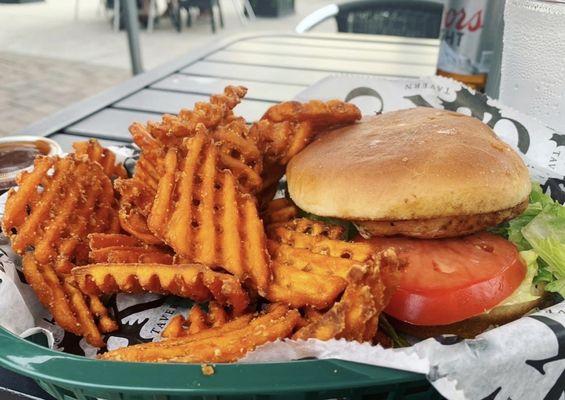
column 407, row 18
column 272, row 8
column 208, row 6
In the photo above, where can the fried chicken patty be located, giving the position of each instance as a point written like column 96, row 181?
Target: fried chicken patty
column 441, row 227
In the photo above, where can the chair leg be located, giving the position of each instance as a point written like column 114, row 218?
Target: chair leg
column 212, row 19
column 151, row 15
column 76, row 9
column 249, row 9
column 221, row 14
column 179, row 17
column 239, row 11
column 116, row 15
column 188, row 17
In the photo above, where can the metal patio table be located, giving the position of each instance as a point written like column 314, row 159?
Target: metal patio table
column 274, row 67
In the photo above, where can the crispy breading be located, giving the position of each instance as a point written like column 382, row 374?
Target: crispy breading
column 143, row 138
column 200, row 213
column 178, row 326
column 311, row 266
column 305, row 226
column 93, row 151
column 193, row 281
column 240, row 155
column 197, row 320
column 355, row 316
column 279, row 211
column 105, row 323
column 288, row 127
column 56, row 206
column 175, row 328
column 280, row 141
column 320, row 240
column 138, row 192
column 120, row 248
column 298, row 288
column 136, row 200
column 319, row 113
column 149, row 168
column 237, row 151
column 218, row 111
column 353, row 311
column 217, row 315
column 152, row 350
column 226, row 343
column 71, row 309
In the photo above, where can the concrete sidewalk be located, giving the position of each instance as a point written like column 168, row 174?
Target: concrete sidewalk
column 49, row 59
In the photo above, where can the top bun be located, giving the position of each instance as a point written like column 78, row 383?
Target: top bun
column 409, row 164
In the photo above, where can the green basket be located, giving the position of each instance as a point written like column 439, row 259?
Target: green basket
column 68, row 376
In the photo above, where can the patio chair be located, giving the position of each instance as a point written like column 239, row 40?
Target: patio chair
column 211, row 5
column 382, row 17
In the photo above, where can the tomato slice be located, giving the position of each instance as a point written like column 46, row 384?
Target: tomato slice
column 450, row 280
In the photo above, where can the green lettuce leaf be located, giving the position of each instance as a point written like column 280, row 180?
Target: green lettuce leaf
column 513, row 230
column 541, row 228
column 527, row 291
column 546, row 235
column 350, row 230
column 544, row 275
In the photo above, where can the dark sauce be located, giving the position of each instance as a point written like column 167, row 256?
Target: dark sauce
column 19, row 155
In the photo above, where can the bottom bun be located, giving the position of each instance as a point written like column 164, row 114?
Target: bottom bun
column 470, row 327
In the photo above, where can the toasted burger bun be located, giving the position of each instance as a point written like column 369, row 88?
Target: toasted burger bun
column 471, row 327
column 411, row 165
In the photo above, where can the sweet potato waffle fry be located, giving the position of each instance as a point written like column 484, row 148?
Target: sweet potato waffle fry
column 201, row 214
column 279, row 211
column 136, row 194
column 193, row 281
column 120, row 248
column 94, row 152
column 319, row 113
column 71, row 309
column 311, row 266
column 287, row 128
column 56, row 206
column 226, row 343
column 197, row 320
column 355, row 316
column 136, row 200
column 187, row 224
column 218, row 111
column 237, row 150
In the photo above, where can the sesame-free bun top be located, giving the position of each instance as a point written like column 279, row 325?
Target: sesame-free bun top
column 409, row 164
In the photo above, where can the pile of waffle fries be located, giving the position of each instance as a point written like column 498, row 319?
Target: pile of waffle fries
column 196, row 220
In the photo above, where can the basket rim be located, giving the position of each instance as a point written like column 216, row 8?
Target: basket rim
column 77, row 372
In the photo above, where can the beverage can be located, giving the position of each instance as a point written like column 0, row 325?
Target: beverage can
column 533, row 62
column 467, row 40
